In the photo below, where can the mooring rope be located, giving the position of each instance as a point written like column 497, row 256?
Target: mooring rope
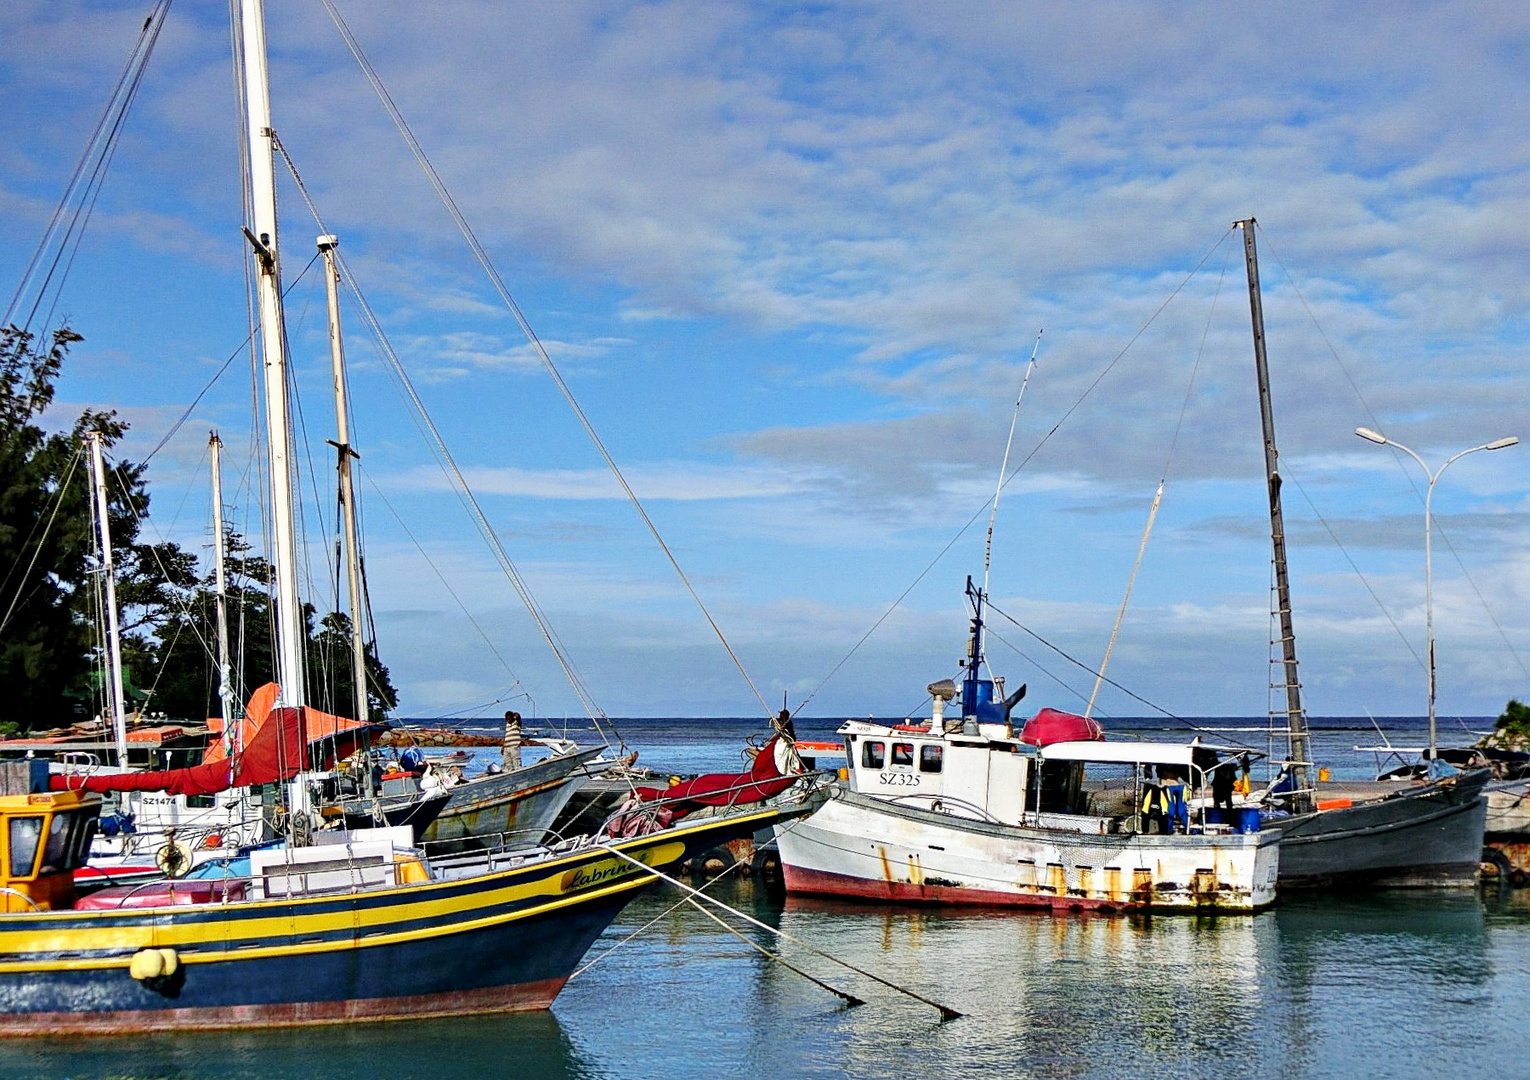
column 946, row 1012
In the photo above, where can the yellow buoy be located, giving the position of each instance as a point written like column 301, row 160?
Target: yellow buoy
column 147, row 964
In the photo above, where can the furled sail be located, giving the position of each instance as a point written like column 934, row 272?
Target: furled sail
column 275, row 748
column 776, row 767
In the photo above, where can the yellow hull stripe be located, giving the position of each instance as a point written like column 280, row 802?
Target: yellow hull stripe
column 366, row 923
column 276, row 951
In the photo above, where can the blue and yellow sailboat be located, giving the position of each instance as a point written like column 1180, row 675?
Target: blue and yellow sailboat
column 350, row 926
column 340, row 932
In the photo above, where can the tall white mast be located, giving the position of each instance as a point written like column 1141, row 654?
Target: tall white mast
column 225, row 666
column 114, row 689
column 290, row 637
column 327, row 245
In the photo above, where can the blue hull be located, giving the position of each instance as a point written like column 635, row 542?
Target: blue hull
column 499, row 942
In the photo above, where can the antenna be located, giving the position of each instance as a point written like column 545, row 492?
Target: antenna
column 1004, row 465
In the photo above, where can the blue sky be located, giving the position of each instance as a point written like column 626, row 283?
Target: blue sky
column 792, row 259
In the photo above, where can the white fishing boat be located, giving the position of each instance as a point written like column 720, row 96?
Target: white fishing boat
column 965, row 810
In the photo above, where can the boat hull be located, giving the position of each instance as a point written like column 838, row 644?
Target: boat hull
column 856, row 846
column 1508, row 812
column 498, row 942
column 517, row 807
column 1425, row 837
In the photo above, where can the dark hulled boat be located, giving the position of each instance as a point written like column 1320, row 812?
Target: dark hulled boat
column 190, row 955
column 1429, row 835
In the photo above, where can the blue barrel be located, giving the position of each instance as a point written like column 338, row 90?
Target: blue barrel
column 1245, row 819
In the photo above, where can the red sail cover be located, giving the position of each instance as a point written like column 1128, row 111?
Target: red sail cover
column 275, row 749
column 1053, row 726
column 763, row 781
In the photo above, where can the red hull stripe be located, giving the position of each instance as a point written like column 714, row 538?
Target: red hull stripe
column 526, row 997
column 822, row 883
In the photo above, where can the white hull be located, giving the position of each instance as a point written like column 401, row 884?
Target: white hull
column 857, row 846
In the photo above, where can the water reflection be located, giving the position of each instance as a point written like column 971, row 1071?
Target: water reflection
column 1395, row 985
column 531, row 1046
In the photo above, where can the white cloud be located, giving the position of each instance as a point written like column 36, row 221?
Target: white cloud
column 677, row 481
column 826, row 237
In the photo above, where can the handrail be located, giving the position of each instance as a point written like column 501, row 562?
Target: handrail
column 8, row 891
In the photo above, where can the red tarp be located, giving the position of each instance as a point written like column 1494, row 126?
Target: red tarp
column 1053, row 726
column 275, row 749
column 763, row 780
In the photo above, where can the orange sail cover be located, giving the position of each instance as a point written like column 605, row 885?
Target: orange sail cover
column 276, row 747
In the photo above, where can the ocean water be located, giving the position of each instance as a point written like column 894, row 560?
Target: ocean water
column 690, row 745
column 1395, row 985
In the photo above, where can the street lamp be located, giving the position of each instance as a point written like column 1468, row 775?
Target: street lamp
column 1381, row 440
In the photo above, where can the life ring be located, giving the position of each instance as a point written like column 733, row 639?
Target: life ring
column 174, row 859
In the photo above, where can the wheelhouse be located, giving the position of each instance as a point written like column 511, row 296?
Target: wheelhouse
column 44, row 838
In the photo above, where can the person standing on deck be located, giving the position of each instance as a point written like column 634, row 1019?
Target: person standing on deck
column 511, row 755
column 1155, row 805
column 1223, row 777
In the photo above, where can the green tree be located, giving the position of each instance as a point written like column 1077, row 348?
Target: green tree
column 330, row 682
column 50, row 622
column 47, row 633
column 183, row 653
column 1515, row 719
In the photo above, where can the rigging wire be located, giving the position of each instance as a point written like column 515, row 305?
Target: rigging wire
column 1028, row 658
column 488, row 641
column 100, row 149
column 58, row 502
column 1407, row 473
column 1079, row 663
column 426, row 426
column 946, row 1012
column 1163, row 480
column 499, row 286
column 1014, row 420
column 1220, row 734
column 249, row 339
column 978, row 513
column 1288, row 476
column 142, row 518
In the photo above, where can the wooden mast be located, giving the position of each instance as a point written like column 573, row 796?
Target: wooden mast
column 1296, row 720
column 342, row 444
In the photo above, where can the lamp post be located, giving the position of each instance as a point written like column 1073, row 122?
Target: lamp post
column 1381, row 440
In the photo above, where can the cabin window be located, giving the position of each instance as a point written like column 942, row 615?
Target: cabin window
column 929, row 757
column 85, row 828
column 56, row 851
column 873, row 754
column 903, row 754
column 25, row 834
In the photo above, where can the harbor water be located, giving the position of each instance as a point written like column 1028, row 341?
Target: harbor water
column 1397, row 985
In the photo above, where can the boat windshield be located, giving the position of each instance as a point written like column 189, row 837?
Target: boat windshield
column 24, row 835
column 68, row 844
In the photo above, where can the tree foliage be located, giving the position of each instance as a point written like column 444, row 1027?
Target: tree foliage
column 1515, row 719
column 184, row 653
column 50, row 640
column 46, row 543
